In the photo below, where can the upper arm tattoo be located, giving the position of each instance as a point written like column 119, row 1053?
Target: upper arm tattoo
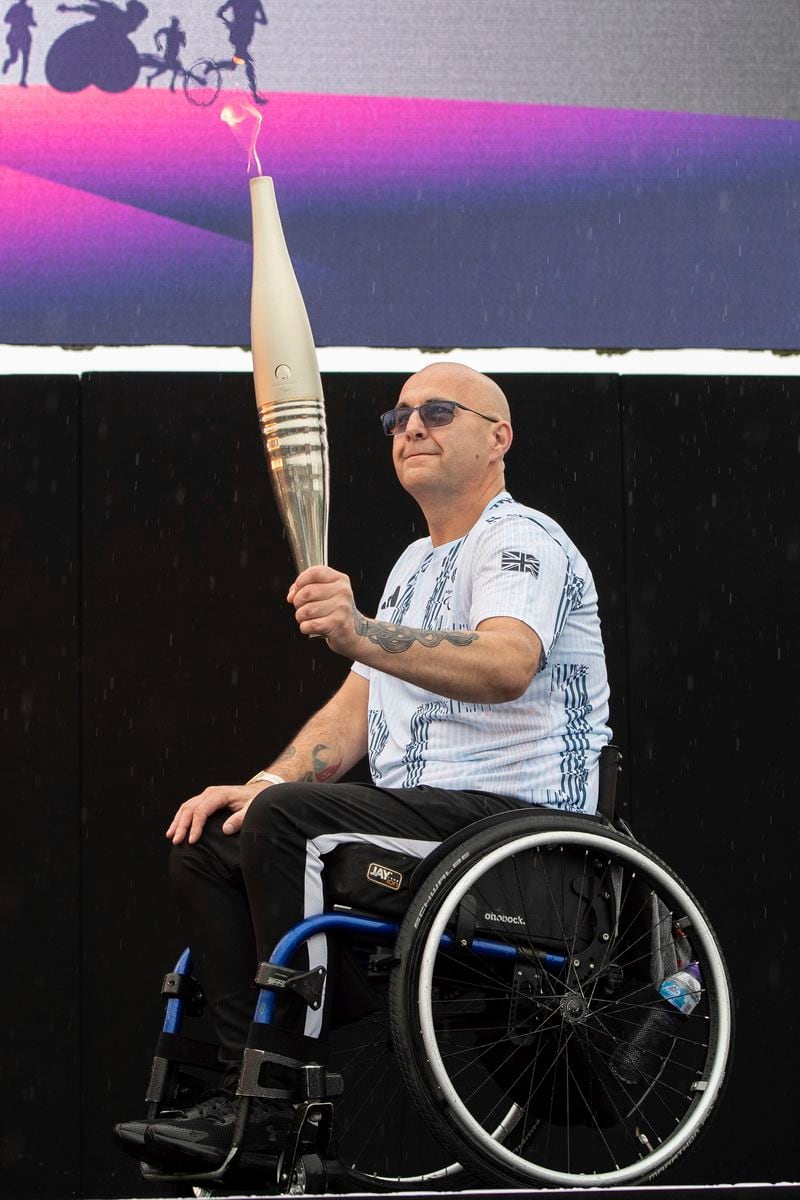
column 397, row 638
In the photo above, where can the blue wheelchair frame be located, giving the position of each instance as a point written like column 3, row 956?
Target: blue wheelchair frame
column 291, row 942
column 315, row 1115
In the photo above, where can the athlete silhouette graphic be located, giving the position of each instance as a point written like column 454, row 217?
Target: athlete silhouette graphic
column 169, row 41
column 98, row 51
column 21, row 20
column 244, row 16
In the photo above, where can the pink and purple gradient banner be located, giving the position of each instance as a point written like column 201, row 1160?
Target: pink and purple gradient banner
column 125, row 219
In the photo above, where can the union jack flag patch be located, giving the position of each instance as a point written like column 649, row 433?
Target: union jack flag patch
column 518, row 560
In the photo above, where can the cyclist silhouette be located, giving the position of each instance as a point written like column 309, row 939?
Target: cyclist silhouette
column 169, row 41
column 21, row 20
column 245, row 15
column 98, row 51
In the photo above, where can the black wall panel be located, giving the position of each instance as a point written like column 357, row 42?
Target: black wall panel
column 194, row 672
column 713, row 511
column 39, row 770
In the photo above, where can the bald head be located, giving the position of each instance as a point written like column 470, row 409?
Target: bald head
column 453, row 467
column 462, row 383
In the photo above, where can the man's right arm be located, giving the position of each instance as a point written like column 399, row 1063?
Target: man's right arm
column 325, row 749
column 332, row 741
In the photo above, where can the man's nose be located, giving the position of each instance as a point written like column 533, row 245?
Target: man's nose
column 415, row 426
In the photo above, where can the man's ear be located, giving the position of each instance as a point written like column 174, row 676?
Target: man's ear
column 503, row 437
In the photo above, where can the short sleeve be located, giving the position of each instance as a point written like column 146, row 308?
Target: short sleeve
column 521, row 571
column 386, row 600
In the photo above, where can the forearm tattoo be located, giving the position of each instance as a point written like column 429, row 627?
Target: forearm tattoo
column 322, row 770
column 394, row 639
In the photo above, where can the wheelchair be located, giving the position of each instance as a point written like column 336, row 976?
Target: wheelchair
column 515, row 1035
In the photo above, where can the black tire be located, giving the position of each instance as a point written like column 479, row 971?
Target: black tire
column 595, row 1079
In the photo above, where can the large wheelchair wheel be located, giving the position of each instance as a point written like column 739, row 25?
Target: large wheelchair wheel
column 525, row 1000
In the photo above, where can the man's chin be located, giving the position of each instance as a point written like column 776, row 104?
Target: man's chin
column 419, row 482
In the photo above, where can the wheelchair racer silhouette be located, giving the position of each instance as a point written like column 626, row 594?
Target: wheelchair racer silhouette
column 98, row 51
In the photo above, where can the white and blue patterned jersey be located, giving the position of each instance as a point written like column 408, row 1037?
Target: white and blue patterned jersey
column 543, row 747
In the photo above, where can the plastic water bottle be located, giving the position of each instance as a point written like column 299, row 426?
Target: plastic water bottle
column 683, row 989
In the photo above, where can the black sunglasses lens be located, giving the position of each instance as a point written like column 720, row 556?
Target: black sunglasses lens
column 435, row 413
column 395, row 420
column 390, row 421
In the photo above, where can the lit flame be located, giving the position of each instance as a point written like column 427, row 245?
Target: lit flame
column 234, row 116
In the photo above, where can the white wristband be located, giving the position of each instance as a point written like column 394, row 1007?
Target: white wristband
column 266, row 777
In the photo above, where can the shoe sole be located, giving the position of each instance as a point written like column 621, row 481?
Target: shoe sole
column 132, row 1140
column 165, row 1143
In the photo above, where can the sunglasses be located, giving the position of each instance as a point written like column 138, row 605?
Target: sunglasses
column 433, row 414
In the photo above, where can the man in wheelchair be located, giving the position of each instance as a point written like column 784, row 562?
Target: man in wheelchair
column 479, row 688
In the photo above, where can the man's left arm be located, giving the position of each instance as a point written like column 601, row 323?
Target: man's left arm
column 491, row 664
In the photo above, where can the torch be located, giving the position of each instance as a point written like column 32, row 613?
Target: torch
column 291, row 408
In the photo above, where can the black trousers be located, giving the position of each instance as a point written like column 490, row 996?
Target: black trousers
column 302, row 847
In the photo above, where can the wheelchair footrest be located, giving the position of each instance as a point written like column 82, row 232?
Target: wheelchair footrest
column 215, row 1175
column 308, row 1164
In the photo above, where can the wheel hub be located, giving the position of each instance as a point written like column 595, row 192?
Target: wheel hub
column 574, row 1008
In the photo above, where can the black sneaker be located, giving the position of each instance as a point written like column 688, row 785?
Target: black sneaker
column 131, row 1136
column 204, row 1133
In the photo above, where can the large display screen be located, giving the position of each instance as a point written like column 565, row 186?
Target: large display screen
column 515, row 173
